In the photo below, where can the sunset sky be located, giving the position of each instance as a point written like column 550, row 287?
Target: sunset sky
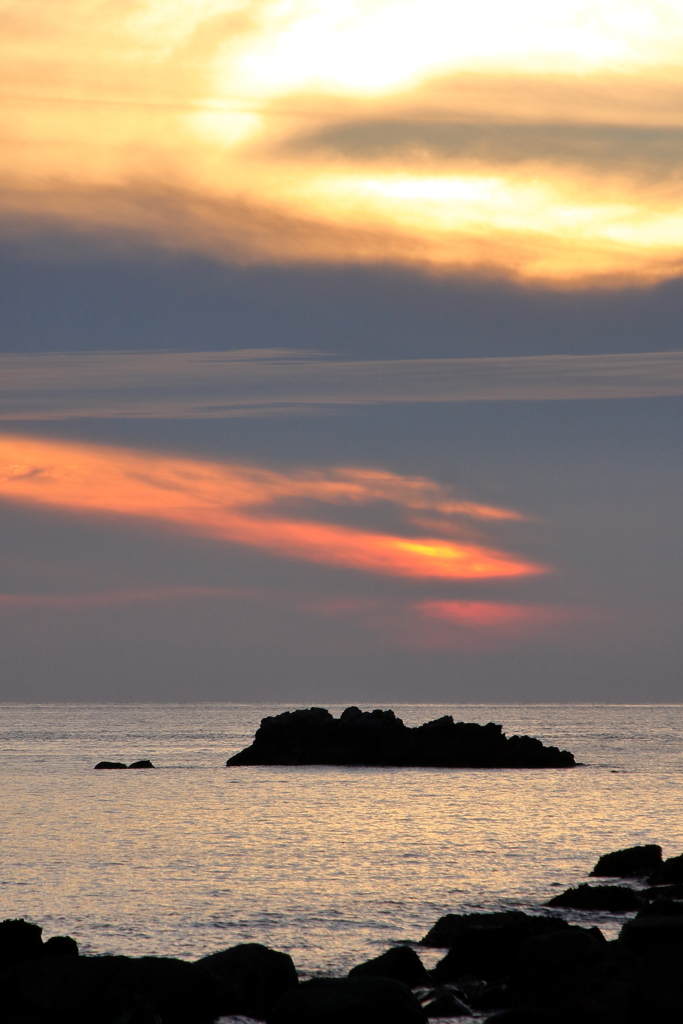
column 341, row 350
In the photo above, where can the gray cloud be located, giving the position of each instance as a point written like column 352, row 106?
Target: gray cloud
column 660, row 149
column 266, row 381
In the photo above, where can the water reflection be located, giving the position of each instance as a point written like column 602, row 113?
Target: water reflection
column 329, row 864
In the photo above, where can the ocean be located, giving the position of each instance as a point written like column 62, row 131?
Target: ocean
column 331, row 865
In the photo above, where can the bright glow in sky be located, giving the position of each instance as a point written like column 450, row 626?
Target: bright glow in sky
column 244, row 129
column 239, row 504
column 366, row 46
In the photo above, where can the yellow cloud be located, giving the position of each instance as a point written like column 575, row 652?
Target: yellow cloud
column 181, row 122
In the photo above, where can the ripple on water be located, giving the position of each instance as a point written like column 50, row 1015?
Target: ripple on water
column 329, row 864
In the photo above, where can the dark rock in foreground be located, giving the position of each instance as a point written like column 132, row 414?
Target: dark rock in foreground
column 259, row 976
column 401, row 963
column 671, row 871
column 450, row 928
column 635, row 862
column 669, row 892
column 662, row 908
column 484, row 945
column 119, row 764
column 570, row 974
column 50, row 982
column 19, row 940
column 562, row 977
column 649, row 934
column 111, row 990
column 379, row 738
column 359, row 1000
column 444, row 1002
column 60, row 945
column 618, row 899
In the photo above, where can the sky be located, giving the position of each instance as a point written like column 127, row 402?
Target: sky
column 340, row 350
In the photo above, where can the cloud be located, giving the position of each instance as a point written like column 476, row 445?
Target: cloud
column 652, row 151
column 106, row 599
column 249, row 506
column 535, row 141
column 476, row 625
column 215, row 384
column 455, row 625
column 491, row 615
column 449, row 626
column 440, row 625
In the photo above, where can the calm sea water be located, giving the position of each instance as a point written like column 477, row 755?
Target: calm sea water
column 330, row 864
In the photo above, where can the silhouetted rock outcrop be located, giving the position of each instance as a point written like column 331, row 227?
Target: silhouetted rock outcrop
column 400, row 963
column 314, row 736
column 141, row 764
column 618, row 899
column 359, row 1000
column 634, row 862
column 257, row 975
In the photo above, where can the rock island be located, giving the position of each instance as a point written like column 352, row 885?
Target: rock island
column 378, row 738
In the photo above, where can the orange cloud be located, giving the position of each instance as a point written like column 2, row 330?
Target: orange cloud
column 490, row 615
column 453, row 625
column 476, row 625
column 241, row 130
column 243, row 505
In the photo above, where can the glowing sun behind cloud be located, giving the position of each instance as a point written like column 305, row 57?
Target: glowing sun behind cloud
column 247, row 129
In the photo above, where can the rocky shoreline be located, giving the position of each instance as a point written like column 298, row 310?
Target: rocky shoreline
column 505, row 967
column 312, row 736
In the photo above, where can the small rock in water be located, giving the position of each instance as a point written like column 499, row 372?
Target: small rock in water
column 634, row 862
column 120, row 764
column 617, row 899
